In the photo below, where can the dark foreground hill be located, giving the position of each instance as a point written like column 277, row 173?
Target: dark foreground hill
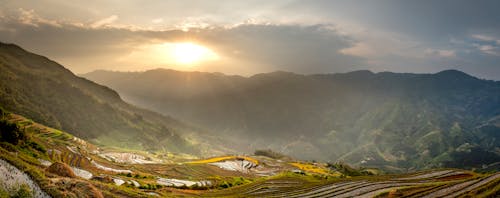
column 37, row 87
column 446, row 119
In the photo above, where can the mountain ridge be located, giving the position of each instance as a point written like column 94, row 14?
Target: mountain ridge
column 453, row 72
column 351, row 116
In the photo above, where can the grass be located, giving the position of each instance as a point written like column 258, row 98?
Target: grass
column 22, row 192
column 223, row 158
column 4, row 194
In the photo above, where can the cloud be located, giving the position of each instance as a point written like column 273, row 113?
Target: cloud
column 486, row 38
column 488, row 49
column 192, row 23
column 259, row 36
column 105, row 21
column 157, row 20
column 486, row 44
column 361, row 49
column 374, row 43
column 441, row 53
column 304, row 49
column 384, row 50
column 78, row 46
column 244, row 49
column 29, row 17
column 447, row 53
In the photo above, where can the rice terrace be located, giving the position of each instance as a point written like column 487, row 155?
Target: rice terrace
column 64, row 165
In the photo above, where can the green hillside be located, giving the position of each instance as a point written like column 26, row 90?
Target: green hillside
column 35, row 86
column 391, row 120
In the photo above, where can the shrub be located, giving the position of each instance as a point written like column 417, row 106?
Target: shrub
column 3, row 113
column 11, row 133
column 270, row 153
column 345, row 169
column 150, row 186
column 225, row 184
column 196, row 187
column 61, row 169
column 37, row 146
column 239, row 181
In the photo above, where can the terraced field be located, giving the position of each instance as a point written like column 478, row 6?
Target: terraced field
column 101, row 172
column 438, row 183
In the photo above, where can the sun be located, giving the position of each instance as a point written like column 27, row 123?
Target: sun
column 190, row 53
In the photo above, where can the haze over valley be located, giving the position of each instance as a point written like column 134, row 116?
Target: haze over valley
column 364, row 118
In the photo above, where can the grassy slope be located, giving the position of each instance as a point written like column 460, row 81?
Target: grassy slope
column 45, row 91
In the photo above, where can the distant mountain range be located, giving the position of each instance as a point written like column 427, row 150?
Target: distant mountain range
column 41, row 89
column 385, row 119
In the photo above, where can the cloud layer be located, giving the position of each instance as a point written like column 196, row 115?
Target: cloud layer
column 260, row 36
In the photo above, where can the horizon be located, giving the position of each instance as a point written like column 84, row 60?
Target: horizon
column 251, row 75
column 276, row 71
column 251, row 37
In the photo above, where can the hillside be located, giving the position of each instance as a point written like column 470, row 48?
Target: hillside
column 47, row 162
column 35, row 86
column 391, row 120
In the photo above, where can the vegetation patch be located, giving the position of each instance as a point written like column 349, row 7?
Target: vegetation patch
column 223, row 158
column 61, row 169
column 270, row 153
column 312, row 168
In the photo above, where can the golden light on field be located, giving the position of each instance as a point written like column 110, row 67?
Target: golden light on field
column 190, row 53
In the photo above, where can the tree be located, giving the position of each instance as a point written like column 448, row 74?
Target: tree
column 11, row 133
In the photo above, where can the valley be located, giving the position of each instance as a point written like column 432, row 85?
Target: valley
column 395, row 121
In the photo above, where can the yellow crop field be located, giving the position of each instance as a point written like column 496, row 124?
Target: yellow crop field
column 312, row 168
column 223, row 158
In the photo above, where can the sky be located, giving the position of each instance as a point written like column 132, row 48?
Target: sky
column 246, row 37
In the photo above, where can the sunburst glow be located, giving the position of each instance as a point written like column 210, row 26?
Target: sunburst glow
column 190, row 53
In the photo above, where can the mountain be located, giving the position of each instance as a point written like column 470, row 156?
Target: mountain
column 413, row 121
column 41, row 89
